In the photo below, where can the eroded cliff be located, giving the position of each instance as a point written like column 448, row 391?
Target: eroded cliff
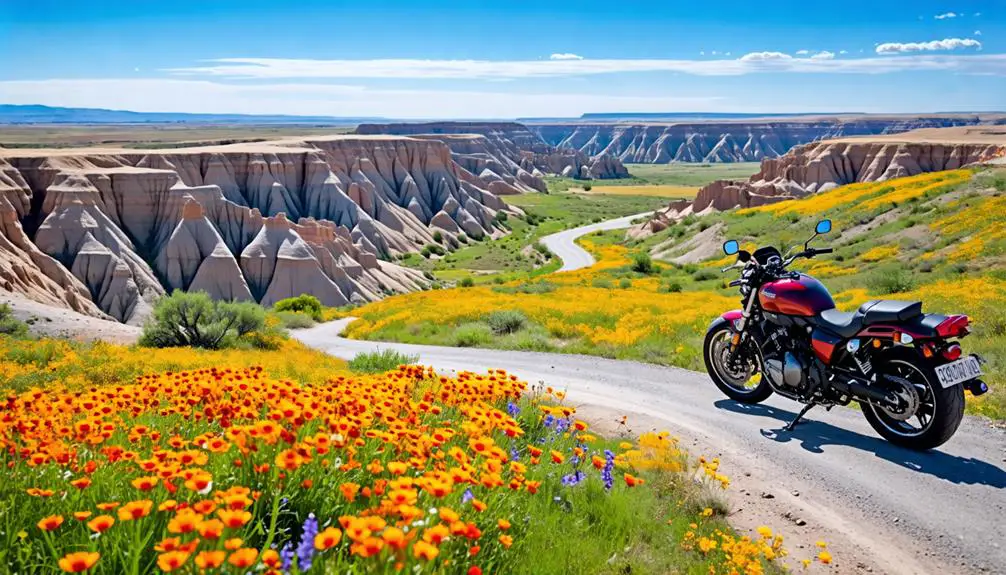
column 507, row 152
column 105, row 232
column 736, row 141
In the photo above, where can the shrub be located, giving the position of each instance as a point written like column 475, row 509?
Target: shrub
column 426, row 252
column 642, row 263
column 193, row 319
column 538, row 287
column 294, row 319
column 888, row 281
column 472, row 335
column 463, row 238
column 529, row 341
column 543, row 250
column 10, row 325
column 438, row 237
column 603, row 283
column 467, row 282
column 503, row 322
column 703, row 274
column 306, row 304
column 673, row 287
column 380, row 361
column 625, row 283
column 587, row 187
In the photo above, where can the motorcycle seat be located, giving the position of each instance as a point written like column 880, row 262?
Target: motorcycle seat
column 848, row 324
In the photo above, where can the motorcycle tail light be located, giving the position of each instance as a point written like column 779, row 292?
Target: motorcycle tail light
column 952, row 352
column 954, row 326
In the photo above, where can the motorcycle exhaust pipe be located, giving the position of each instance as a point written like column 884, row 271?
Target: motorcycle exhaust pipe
column 861, row 391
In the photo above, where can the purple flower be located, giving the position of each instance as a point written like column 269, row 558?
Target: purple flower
column 609, row 465
column 514, row 454
column 573, row 478
column 561, row 425
column 549, row 421
column 286, row 554
column 513, row 409
column 305, row 551
column 467, row 496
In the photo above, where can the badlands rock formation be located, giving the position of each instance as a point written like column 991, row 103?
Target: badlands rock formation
column 105, row 232
column 822, row 166
column 507, row 153
column 737, row 141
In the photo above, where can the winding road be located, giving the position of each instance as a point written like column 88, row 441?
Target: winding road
column 880, row 507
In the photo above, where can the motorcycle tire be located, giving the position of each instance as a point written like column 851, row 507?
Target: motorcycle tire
column 714, row 336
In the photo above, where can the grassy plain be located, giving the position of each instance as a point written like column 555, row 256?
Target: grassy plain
column 936, row 237
column 150, row 136
column 692, row 175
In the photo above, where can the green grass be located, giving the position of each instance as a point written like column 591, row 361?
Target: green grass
column 380, row 361
column 682, row 174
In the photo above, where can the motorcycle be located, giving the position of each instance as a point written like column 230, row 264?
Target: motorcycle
column 905, row 368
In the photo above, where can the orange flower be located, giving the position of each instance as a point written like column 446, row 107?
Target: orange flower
column 557, row 457
column 395, row 538
column 397, row 467
column 81, row 515
column 169, row 544
column 478, row 505
column 243, row 558
column 211, row 529
column 270, row 558
column 145, row 483
column 425, row 551
column 368, row 547
column 233, row 544
column 506, row 540
column 436, row 534
column 234, row 518
column 632, row 480
column 210, row 559
column 51, row 522
column 101, row 523
column 349, row 491
column 108, row 506
column 185, row 521
column 78, row 562
column 289, row 460
column 171, row 560
column 81, row 483
column 135, row 510
column 474, row 570
column 327, row 539
column 503, row 524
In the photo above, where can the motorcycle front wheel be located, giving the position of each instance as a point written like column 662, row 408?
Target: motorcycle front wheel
column 740, row 381
column 939, row 412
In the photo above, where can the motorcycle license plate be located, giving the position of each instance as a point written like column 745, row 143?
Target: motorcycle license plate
column 955, row 372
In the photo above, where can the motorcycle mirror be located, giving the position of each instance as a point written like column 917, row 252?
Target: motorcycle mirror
column 823, row 227
column 730, row 247
column 744, row 256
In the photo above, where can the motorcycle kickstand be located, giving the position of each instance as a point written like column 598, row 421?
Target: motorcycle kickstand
column 799, row 416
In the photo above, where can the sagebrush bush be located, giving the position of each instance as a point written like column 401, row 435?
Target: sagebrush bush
column 193, row 319
column 505, row 321
column 380, row 361
column 294, row 319
column 466, row 282
column 10, row 325
column 642, row 263
column 472, row 335
column 304, row 303
column 890, row 280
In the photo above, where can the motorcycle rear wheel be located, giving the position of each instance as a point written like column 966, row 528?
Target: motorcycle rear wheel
column 940, row 411
column 735, row 384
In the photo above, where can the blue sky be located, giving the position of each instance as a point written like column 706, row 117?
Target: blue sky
column 504, row 59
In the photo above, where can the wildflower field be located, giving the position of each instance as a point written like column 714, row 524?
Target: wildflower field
column 219, row 466
column 936, row 237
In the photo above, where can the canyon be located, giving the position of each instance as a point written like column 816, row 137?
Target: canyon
column 507, row 155
column 106, row 231
column 747, row 140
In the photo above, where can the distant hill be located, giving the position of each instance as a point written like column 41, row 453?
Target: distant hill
column 37, row 114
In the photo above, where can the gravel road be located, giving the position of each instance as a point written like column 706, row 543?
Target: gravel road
column 881, row 508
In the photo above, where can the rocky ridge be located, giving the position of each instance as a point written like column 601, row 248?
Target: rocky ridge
column 507, row 156
column 822, row 166
column 736, row 141
column 105, row 232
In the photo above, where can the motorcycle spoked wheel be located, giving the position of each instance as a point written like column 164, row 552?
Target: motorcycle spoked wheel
column 743, row 385
column 939, row 413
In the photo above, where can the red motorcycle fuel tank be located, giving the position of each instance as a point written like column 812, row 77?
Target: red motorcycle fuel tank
column 802, row 296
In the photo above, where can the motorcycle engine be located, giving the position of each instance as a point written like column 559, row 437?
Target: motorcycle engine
column 782, row 363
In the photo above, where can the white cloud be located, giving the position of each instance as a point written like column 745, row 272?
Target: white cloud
column 931, row 46
column 843, row 51
column 945, row 16
column 565, row 56
column 823, row 55
column 702, row 53
column 978, row 33
column 201, row 96
column 802, row 52
column 978, row 14
column 755, row 62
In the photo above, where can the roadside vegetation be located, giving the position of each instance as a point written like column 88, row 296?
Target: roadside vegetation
column 245, row 460
column 936, row 237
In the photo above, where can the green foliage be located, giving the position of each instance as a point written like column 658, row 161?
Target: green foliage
column 463, row 238
column 673, row 287
column 294, row 319
column 503, row 322
column 703, row 275
column 380, row 361
column 587, row 187
column 472, row 335
column 193, row 319
column 890, row 280
column 625, row 283
column 304, row 303
column 538, row 287
column 10, row 325
column 643, row 263
column 438, row 236
column 466, row 282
